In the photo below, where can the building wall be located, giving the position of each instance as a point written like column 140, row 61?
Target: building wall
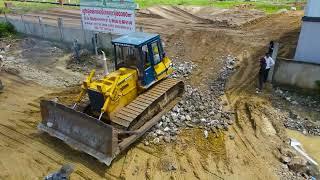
column 308, row 48
column 63, row 34
column 296, row 74
column 313, row 8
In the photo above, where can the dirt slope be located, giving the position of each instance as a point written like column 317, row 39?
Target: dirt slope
column 257, row 133
column 26, row 153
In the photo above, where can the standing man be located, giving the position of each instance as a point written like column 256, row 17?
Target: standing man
column 262, row 70
column 269, row 63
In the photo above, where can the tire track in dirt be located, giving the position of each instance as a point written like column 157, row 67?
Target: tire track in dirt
column 252, row 136
column 29, row 143
column 191, row 167
column 12, row 168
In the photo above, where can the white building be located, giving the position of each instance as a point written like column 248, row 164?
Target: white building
column 308, row 49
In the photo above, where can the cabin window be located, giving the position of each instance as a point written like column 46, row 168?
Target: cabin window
column 156, row 53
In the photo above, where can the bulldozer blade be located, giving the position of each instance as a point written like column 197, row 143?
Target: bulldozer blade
column 80, row 131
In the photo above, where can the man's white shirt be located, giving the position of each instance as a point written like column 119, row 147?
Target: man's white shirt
column 269, row 62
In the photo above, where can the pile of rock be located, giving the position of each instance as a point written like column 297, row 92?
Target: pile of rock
column 299, row 99
column 295, row 165
column 293, row 120
column 304, row 125
column 183, row 69
column 284, row 173
column 217, row 85
column 196, row 109
column 15, row 65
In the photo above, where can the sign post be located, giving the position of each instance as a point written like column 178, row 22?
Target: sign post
column 116, row 16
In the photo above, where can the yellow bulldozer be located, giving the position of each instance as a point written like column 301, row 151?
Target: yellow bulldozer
column 114, row 111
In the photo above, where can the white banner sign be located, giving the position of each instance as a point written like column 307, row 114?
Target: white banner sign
column 118, row 21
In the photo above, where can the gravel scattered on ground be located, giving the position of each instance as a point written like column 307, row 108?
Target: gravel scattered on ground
column 42, row 77
column 285, row 174
column 304, row 125
column 295, row 98
column 294, row 121
column 197, row 109
column 295, row 166
column 39, row 61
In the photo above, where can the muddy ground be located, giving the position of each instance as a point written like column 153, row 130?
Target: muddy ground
column 257, row 134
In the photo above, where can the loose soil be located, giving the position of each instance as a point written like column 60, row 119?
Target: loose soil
column 257, row 134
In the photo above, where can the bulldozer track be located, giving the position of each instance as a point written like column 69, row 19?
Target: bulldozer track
column 17, row 138
column 126, row 115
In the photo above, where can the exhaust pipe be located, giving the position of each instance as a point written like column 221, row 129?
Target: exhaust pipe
column 105, row 65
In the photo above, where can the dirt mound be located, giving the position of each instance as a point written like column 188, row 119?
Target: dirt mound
column 85, row 63
column 39, row 61
column 201, row 15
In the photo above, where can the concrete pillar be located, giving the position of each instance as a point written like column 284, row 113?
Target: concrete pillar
column 94, row 43
column 274, row 57
column 60, row 26
column 84, row 32
column 24, row 24
column 41, row 26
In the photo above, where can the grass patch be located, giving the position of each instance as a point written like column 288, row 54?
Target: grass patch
column 266, row 6
column 6, row 30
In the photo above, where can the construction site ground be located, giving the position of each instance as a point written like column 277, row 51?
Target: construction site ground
column 201, row 38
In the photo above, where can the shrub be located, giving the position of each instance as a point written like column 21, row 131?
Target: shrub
column 6, row 29
column 318, row 84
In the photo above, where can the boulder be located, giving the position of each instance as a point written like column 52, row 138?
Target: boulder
column 313, row 171
column 285, row 159
column 206, row 133
column 166, row 129
column 189, row 124
column 156, row 140
column 159, row 132
column 298, row 164
column 167, row 139
column 285, row 151
column 182, row 118
column 231, row 136
column 173, row 138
